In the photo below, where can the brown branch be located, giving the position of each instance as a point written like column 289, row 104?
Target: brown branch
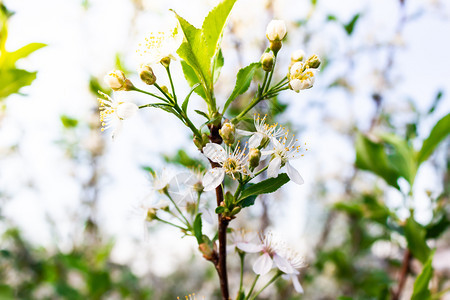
column 221, row 263
column 403, row 275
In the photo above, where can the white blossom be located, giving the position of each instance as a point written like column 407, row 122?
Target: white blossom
column 161, row 44
column 282, row 152
column 230, row 162
column 113, row 112
column 301, row 77
column 115, row 80
column 263, row 134
column 271, row 248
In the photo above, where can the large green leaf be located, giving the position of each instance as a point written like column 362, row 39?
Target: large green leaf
column 401, row 156
column 218, row 64
column 201, row 45
column 213, row 27
column 243, row 80
column 372, row 156
column 416, row 237
column 439, row 132
column 421, row 291
column 264, row 187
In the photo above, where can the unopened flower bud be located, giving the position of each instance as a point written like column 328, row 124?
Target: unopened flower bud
column 235, row 211
column 151, row 214
column 227, row 132
column 267, row 61
column 276, row 30
column 146, row 74
column 117, row 81
column 298, row 55
column 165, row 89
column 275, row 46
column 166, row 61
column 206, row 250
column 254, row 158
column 313, row 62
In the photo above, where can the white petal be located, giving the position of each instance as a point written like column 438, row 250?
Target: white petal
column 213, row 178
column 126, row 110
column 293, row 174
column 296, row 283
column 283, row 264
column 243, row 132
column 250, row 247
column 255, row 140
column 263, row 264
column 215, row 152
column 274, row 167
column 267, row 152
column 209, row 215
column 117, row 129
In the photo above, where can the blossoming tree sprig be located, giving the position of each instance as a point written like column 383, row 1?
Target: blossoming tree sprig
column 201, row 61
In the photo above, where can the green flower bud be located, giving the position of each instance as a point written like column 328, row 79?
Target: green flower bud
column 254, row 158
column 166, row 61
column 267, row 60
column 313, row 62
column 146, row 74
column 117, row 81
column 151, row 214
column 235, row 211
column 206, row 250
column 227, row 132
column 165, row 89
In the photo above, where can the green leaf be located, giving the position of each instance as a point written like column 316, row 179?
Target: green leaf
column 249, row 201
column 371, row 156
column 265, row 187
column 402, row 158
column 349, row 27
column 213, row 26
column 192, row 79
column 183, row 159
column 198, row 228
column 415, row 235
column 12, row 57
column 220, row 210
column 69, row 122
column 438, row 225
column 421, row 291
column 439, row 132
column 13, row 80
column 186, row 100
column 202, row 114
column 243, row 80
column 218, row 64
column 6, row 292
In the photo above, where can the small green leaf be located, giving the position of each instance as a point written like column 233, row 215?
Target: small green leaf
column 438, row 225
column 69, row 122
column 220, row 210
column 218, row 64
column 421, row 291
column 243, row 80
column 12, row 57
column 192, row 79
column 198, row 228
column 202, row 114
column 415, row 235
column 436, row 101
column 439, row 132
column 349, row 27
column 372, row 156
column 229, row 199
column 265, row 187
column 186, row 100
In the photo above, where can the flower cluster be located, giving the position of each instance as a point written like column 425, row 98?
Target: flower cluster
column 302, row 73
column 273, row 251
column 238, row 164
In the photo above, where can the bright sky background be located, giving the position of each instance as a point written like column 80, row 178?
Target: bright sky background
column 84, row 43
